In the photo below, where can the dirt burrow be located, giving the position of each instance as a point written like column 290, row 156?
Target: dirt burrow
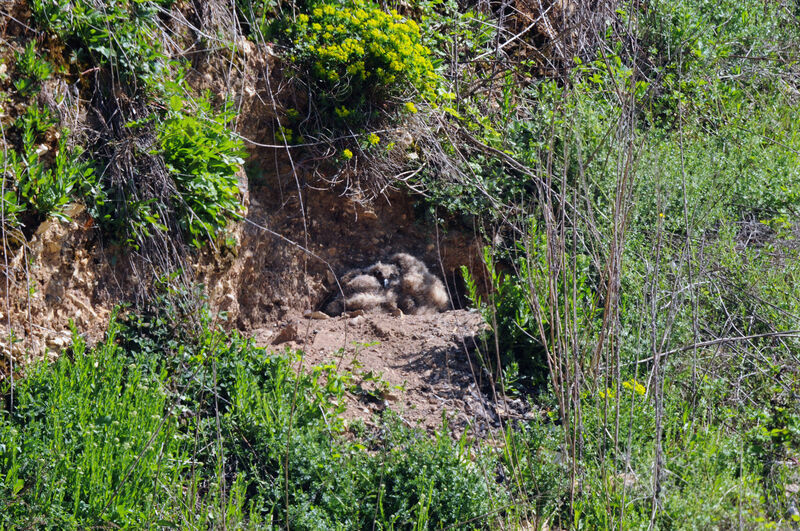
column 265, row 284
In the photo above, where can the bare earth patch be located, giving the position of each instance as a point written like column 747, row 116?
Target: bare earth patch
column 422, row 367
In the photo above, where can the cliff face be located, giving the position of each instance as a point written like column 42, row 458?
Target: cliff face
column 299, row 229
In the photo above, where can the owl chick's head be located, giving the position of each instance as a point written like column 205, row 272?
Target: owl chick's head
column 386, row 274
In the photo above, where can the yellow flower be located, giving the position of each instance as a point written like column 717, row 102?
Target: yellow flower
column 347, row 154
column 373, row 139
column 410, row 107
column 634, row 386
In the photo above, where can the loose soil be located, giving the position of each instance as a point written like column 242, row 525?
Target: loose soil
column 423, row 367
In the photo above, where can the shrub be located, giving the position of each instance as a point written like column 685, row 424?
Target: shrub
column 354, row 53
column 37, row 185
column 519, row 330
column 117, row 33
column 203, row 156
column 32, row 71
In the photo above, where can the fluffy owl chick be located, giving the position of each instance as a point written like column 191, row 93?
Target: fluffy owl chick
column 386, row 274
column 362, row 291
column 402, row 282
column 418, row 291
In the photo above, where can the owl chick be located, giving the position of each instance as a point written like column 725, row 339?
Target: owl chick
column 418, row 291
column 403, row 282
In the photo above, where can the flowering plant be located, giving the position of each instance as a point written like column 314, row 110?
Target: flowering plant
column 359, row 54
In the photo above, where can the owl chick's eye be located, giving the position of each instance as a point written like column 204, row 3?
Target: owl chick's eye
column 385, row 282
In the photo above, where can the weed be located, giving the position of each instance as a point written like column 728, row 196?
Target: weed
column 32, row 71
column 42, row 187
column 203, row 156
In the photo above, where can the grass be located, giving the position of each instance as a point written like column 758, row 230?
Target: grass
column 216, row 433
column 638, row 185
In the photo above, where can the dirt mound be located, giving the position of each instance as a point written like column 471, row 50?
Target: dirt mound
column 423, row 367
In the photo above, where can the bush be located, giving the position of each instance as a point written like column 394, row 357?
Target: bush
column 39, row 186
column 118, row 33
column 32, row 71
column 519, row 330
column 203, row 157
column 354, row 54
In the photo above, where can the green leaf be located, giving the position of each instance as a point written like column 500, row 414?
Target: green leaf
column 17, row 487
column 175, row 103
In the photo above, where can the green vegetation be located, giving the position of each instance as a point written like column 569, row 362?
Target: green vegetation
column 37, row 184
column 663, row 185
column 355, row 52
column 119, row 34
column 187, row 426
column 633, row 170
column 186, row 181
column 42, row 189
column 203, row 158
column 31, row 70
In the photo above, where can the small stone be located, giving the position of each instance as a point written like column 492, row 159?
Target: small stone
column 245, row 46
column 289, row 333
column 330, row 278
column 369, row 214
column 319, row 315
column 58, row 343
column 381, row 330
column 74, row 210
column 389, row 396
